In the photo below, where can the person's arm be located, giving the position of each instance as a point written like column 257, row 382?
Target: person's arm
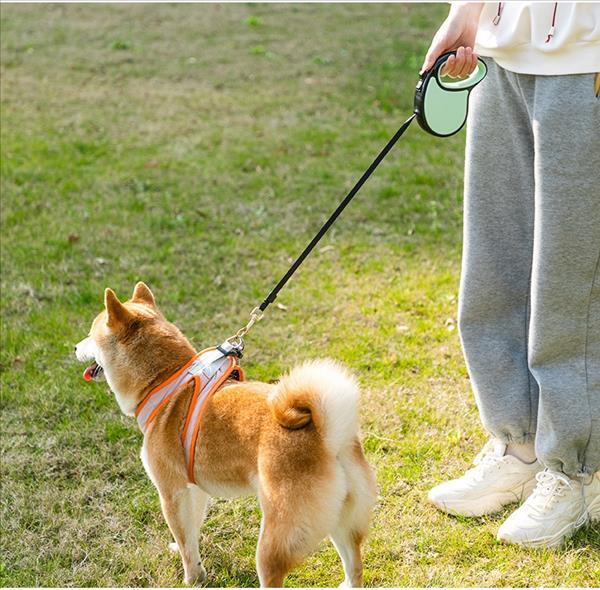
column 458, row 33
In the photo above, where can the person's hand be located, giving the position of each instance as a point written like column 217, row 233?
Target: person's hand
column 458, row 33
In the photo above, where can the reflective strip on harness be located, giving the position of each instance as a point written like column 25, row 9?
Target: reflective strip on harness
column 209, row 369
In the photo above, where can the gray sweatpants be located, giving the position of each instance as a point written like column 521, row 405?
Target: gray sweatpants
column 529, row 306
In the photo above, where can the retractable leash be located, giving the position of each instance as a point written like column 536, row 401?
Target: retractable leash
column 440, row 107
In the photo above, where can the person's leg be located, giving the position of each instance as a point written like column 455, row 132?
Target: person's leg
column 564, row 335
column 494, row 296
column 497, row 256
column 565, row 320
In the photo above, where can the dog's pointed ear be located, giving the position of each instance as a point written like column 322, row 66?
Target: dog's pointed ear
column 117, row 312
column 142, row 293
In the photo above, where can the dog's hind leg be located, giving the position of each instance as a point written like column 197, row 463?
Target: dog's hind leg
column 353, row 525
column 184, row 511
column 283, row 544
column 299, row 511
column 273, row 559
column 348, row 542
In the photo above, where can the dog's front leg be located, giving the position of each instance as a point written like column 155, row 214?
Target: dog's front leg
column 184, row 511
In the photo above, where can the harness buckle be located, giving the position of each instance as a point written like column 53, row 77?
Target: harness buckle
column 232, row 346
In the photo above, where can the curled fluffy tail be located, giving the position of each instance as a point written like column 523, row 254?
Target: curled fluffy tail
column 321, row 392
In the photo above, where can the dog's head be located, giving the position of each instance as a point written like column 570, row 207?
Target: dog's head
column 129, row 345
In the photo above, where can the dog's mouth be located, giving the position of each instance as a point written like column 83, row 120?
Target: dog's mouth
column 94, row 372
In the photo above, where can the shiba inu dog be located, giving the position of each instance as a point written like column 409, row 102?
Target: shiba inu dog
column 294, row 443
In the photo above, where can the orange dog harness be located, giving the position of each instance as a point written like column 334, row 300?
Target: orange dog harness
column 209, row 369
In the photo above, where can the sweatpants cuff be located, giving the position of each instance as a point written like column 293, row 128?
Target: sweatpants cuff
column 507, row 437
column 582, row 472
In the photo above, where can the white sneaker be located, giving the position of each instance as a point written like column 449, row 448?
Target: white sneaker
column 591, row 495
column 556, row 509
column 496, row 480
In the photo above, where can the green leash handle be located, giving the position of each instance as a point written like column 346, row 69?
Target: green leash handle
column 441, row 102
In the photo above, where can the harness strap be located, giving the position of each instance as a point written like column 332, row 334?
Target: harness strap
column 203, row 390
column 159, row 396
column 209, row 369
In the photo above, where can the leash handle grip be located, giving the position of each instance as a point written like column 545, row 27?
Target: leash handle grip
column 441, row 103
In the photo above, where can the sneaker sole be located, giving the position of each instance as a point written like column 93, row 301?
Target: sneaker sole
column 485, row 505
column 553, row 542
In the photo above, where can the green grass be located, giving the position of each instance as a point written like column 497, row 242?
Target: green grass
column 198, row 147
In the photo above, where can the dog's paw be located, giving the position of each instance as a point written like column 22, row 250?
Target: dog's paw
column 174, row 547
column 197, row 576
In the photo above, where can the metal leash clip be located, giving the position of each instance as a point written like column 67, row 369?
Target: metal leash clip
column 237, row 340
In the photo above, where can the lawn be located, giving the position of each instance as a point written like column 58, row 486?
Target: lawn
column 197, row 148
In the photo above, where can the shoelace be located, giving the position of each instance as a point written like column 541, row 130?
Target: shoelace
column 487, row 451
column 550, row 487
column 486, row 460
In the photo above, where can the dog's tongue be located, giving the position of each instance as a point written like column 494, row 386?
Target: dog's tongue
column 88, row 374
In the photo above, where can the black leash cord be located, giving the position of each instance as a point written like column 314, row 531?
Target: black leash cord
column 288, row 275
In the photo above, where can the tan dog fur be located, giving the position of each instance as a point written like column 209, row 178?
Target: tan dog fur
column 294, row 444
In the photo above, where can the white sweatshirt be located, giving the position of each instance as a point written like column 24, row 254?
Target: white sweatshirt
column 547, row 38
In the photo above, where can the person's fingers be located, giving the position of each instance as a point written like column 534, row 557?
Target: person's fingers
column 448, row 67
column 462, row 65
column 459, row 66
column 454, row 67
column 466, row 68
column 472, row 65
